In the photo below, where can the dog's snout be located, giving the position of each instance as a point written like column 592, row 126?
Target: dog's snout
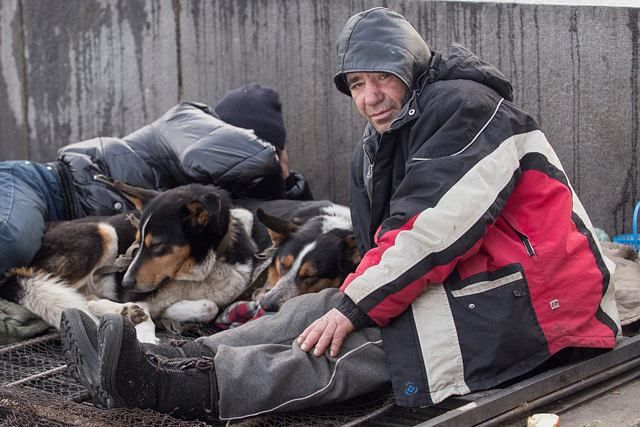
column 128, row 282
column 282, row 291
column 268, row 303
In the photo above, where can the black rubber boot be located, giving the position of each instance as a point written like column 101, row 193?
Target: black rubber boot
column 79, row 336
column 130, row 377
column 76, row 326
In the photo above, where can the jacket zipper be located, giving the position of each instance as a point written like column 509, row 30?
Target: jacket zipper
column 527, row 244
column 371, row 162
column 368, row 178
column 523, row 238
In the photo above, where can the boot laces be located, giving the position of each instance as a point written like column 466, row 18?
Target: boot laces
column 178, row 343
column 202, row 363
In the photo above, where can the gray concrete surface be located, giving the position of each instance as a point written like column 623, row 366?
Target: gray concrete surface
column 75, row 69
column 619, row 407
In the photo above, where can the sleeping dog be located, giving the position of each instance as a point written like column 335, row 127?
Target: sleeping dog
column 315, row 249
column 194, row 255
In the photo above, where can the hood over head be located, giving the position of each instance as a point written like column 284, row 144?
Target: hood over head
column 460, row 63
column 380, row 40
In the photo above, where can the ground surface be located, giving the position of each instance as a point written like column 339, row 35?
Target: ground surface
column 619, row 407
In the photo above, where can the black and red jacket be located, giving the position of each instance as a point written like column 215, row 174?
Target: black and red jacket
column 479, row 260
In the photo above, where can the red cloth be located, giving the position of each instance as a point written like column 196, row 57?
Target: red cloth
column 238, row 313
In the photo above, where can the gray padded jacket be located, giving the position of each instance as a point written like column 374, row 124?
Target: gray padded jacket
column 187, row 144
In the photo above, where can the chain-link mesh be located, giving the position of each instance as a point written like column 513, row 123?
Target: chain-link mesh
column 29, row 407
column 35, row 390
column 38, row 364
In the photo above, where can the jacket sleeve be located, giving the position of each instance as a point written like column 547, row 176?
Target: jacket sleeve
column 457, row 180
column 104, row 156
column 109, row 156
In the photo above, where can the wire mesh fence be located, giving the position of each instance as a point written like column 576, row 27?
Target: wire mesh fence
column 35, row 390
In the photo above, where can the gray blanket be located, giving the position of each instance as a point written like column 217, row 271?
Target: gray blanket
column 17, row 323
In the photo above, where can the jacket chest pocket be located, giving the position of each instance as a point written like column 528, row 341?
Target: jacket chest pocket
column 483, row 286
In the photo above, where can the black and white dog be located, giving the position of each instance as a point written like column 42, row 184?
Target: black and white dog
column 192, row 254
column 183, row 256
column 315, row 249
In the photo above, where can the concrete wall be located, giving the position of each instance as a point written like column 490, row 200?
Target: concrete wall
column 75, row 69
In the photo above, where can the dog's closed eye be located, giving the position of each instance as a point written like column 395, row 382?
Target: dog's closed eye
column 309, row 280
column 158, row 248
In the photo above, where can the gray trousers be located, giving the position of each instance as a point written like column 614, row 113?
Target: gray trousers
column 260, row 368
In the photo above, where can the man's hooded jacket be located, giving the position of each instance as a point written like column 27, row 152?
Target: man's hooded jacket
column 188, row 144
column 480, row 262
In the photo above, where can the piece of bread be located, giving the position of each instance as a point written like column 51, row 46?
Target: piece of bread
column 543, row 420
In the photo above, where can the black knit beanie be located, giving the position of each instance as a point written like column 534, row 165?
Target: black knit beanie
column 255, row 107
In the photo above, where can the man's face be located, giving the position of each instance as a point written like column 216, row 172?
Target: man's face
column 378, row 97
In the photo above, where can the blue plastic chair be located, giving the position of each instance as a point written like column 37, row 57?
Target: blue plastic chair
column 630, row 239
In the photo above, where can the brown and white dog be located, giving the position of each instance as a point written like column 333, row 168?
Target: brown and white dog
column 194, row 255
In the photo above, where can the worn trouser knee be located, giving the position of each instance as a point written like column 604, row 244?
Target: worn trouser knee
column 260, row 368
column 282, row 327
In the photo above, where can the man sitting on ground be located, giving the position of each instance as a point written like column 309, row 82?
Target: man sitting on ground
column 479, row 261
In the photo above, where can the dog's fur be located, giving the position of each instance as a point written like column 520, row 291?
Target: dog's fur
column 315, row 250
column 195, row 255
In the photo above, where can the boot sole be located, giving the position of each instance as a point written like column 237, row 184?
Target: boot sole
column 110, row 357
column 79, row 353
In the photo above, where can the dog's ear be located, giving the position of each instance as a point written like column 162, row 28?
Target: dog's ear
column 136, row 195
column 195, row 214
column 203, row 211
column 278, row 228
column 350, row 254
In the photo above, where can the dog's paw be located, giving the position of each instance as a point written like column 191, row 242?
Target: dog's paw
column 202, row 310
column 135, row 313
column 101, row 307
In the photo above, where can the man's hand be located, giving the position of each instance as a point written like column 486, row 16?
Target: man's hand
column 330, row 329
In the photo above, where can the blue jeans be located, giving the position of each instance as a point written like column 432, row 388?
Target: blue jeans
column 30, row 195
